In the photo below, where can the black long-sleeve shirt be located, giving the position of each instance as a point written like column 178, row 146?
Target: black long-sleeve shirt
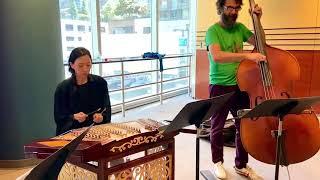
column 71, row 98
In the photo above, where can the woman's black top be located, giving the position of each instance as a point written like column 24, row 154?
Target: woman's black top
column 71, row 98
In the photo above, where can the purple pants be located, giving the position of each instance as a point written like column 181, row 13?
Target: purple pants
column 239, row 100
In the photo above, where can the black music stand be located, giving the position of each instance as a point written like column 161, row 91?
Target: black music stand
column 195, row 113
column 279, row 108
column 50, row 168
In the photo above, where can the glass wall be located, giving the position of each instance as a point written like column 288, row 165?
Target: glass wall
column 75, row 25
column 122, row 29
column 174, row 25
column 125, row 27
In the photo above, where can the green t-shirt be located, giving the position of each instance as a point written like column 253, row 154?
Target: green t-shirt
column 230, row 40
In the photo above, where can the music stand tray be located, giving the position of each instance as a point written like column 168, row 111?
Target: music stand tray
column 276, row 107
column 196, row 112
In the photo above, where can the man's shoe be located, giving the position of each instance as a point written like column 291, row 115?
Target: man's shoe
column 219, row 170
column 248, row 172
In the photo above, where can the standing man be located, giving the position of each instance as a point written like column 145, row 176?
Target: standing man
column 224, row 41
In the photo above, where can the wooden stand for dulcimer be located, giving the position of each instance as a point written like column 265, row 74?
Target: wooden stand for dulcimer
column 279, row 108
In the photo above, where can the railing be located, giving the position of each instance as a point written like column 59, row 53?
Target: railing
column 150, row 80
column 294, row 38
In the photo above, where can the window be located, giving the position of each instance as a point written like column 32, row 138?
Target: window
column 174, row 28
column 124, row 25
column 102, row 29
column 70, row 48
column 69, row 27
column 125, row 31
column 70, row 38
column 163, row 4
column 122, row 30
column 125, row 34
column 174, row 39
column 174, row 14
column 174, row 4
column 81, row 28
column 74, row 18
column 146, row 30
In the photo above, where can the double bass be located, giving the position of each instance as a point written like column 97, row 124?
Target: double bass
column 272, row 79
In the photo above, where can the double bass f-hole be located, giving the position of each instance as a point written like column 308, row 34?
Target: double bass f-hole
column 285, row 93
column 256, row 101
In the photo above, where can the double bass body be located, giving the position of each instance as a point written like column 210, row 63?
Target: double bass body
column 301, row 133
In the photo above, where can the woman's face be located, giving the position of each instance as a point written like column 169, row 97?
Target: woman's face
column 82, row 66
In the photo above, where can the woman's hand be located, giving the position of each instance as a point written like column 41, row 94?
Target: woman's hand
column 80, row 117
column 97, row 118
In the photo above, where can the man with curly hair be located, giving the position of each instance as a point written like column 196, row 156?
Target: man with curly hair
column 224, row 41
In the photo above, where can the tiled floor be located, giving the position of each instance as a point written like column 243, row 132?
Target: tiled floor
column 8, row 174
column 185, row 150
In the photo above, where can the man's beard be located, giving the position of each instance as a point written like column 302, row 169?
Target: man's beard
column 229, row 20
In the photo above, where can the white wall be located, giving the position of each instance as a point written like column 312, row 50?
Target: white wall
column 276, row 14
